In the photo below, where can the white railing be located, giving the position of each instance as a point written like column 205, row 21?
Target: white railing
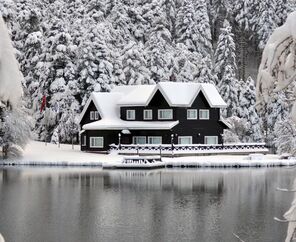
column 189, row 149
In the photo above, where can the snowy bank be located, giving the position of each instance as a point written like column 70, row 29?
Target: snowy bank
column 37, row 153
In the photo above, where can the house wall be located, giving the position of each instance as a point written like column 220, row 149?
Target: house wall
column 198, row 129
column 86, row 117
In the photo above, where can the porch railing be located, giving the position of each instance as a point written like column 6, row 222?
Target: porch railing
column 187, row 149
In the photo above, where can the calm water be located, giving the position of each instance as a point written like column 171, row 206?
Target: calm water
column 60, row 205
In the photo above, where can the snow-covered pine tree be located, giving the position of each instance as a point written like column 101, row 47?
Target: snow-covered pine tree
column 95, row 62
column 158, row 51
column 285, row 136
column 266, row 22
column 225, row 51
column 134, row 65
column 228, row 88
column 247, row 109
column 187, row 31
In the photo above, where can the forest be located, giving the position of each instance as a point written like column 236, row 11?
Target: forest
column 68, row 49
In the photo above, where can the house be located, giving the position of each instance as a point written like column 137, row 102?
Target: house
column 164, row 113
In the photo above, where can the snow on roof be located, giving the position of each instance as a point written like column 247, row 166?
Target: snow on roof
column 212, row 95
column 106, row 104
column 175, row 93
column 119, row 124
column 178, row 93
column 138, row 95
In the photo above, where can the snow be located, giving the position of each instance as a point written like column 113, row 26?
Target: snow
column 10, row 76
column 37, row 153
column 117, row 123
column 276, row 47
column 142, row 94
column 139, row 96
column 213, row 97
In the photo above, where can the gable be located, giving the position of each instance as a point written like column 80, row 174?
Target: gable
column 85, row 115
column 158, row 100
column 200, row 101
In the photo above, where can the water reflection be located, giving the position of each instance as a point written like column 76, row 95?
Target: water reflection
column 46, row 204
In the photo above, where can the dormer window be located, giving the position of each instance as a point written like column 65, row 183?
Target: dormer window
column 130, row 114
column 96, row 115
column 204, row 114
column 92, row 115
column 192, row 114
column 165, row 114
column 147, row 114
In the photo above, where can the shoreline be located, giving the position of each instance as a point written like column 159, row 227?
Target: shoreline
column 50, row 155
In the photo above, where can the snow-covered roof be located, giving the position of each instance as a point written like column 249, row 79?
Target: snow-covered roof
column 119, row 124
column 105, row 102
column 136, row 95
column 175, row 93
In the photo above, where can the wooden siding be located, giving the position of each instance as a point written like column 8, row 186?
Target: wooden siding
column 86, row 117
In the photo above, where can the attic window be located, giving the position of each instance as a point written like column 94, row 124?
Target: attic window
column 92, row 115
column 96, row 115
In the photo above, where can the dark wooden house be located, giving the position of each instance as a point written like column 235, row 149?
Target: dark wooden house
column 182, row 113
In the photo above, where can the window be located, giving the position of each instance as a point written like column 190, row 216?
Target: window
column 130, row 114
column 165, row 114
column 211, row 140
column 156, row 140
column 147, row 114
column 92, row 115
column 96, row 142
column 191, row 114
column 139, row 140
column 84, row 140
column 185, row 140
column 204, row 114
column 96, row 115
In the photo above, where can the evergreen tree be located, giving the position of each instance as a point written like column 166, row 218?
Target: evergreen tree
column 267, row 21
column 134, row 65
column 158, row 51
column 229, row 90
column 247, row 109
column 225, row 51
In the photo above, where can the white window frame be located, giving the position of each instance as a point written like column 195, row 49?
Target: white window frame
column 136, row 137
column 83, row 140
column 145, row 111
column 130, row 111
column 182, row 137
column 153, row 137
column 96, row 146
column 204, row 110
column 96, row 115
column 165, row 110
column 92, row 115
column 191, row 110
column 211, row 136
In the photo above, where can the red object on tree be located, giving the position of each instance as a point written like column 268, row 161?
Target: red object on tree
column 43, row 104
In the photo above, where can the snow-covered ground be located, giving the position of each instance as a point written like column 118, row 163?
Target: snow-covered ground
column 37, row 153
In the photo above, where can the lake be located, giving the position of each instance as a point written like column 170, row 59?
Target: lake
column 91, row 204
